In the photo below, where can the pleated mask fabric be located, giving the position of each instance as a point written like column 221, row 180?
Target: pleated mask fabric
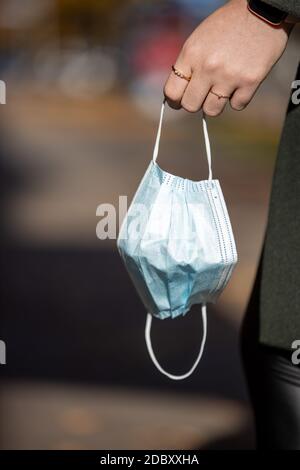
column 177, row 244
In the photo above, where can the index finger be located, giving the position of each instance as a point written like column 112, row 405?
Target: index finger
column 175, row 85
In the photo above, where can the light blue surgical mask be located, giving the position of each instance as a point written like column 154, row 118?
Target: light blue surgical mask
column 177, row 244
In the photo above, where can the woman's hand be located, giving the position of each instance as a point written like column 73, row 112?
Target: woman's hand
column 230, row 53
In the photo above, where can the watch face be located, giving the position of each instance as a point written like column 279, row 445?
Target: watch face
column 267, row 12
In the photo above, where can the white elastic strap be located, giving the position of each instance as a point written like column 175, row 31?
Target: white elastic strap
column 207, row 146
column 206, row 139
column 152, row 355
column 156, row 146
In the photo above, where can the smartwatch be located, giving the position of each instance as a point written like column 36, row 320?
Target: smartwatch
column 266, row 12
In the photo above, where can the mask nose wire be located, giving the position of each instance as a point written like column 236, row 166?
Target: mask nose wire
column 153, row 357
column 206, row 139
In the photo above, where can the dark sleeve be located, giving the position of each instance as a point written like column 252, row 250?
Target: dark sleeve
column 289, row 6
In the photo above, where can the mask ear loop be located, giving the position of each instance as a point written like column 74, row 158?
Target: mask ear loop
column 153, row 357
column 206, row 139
column 207, row 146
column 157, row 140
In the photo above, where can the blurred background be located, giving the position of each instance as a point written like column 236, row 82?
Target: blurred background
column 84, row 85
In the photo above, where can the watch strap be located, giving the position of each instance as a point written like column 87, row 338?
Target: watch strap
column 266, row 12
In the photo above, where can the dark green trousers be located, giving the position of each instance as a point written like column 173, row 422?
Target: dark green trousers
column 278, row 279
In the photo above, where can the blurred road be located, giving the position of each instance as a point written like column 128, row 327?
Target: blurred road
column 73, row 325
column 109, row 418
column 84, row 81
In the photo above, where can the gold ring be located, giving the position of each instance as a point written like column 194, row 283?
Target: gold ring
column 218, row 95
column 180, row 74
